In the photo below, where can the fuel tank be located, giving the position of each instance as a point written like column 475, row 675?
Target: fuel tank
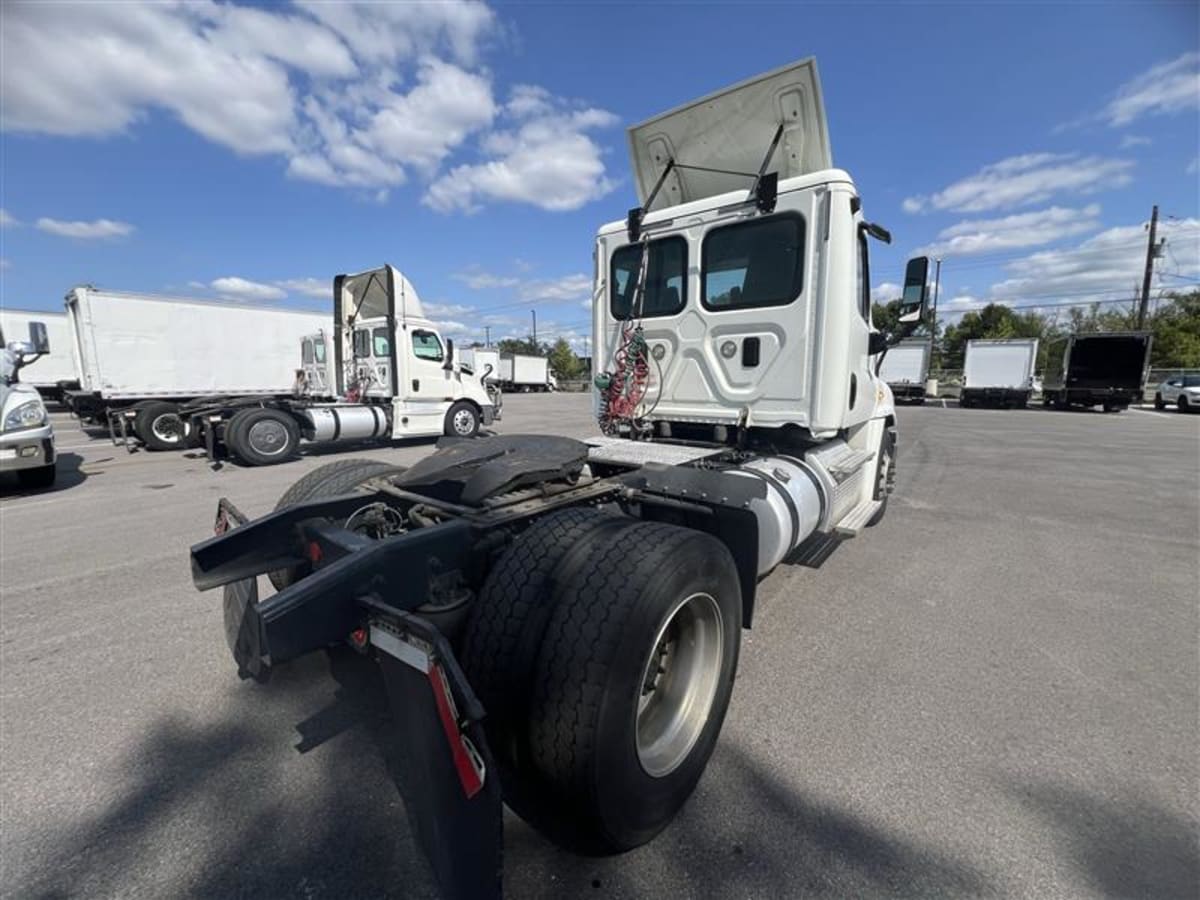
column 347, row 422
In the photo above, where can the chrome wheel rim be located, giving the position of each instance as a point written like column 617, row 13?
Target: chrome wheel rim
column 679, row 684
column 267, row 437
column 168, row 428
column 464, row 421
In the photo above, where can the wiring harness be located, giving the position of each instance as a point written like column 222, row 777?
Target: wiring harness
column 623, row 390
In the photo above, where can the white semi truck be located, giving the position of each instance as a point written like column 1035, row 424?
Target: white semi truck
column 999, row 372
column 905, row 368
column 383, row 373
column 558, row 622
column 142, row 356
column 26, row 435
column 56, row 370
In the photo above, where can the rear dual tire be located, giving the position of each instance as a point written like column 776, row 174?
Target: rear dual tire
column 159, row 425
column 261, row 436
column 605, row 649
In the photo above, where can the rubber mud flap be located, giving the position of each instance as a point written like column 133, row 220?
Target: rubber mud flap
column 451, row 787
column 243, row 629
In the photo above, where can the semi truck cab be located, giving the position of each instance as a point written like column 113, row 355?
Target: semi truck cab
column 26, row 435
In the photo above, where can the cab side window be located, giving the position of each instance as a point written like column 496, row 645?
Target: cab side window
column 427, row 345
column 383, row 346
column 306, row 352
column 863, row 279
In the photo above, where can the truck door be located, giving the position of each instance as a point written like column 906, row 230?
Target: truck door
column 313, row 361
column 863, row 395
column 425, row 379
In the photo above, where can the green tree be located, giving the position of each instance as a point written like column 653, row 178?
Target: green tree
column 1176, row 328
column 523, row 346
column 994, row 321
column 563, row 361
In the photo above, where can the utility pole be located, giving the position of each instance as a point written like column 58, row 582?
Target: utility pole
column 487, row 335
column 533, row 312
column 1150, row 250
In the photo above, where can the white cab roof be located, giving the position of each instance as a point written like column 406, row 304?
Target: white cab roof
column 732, row 129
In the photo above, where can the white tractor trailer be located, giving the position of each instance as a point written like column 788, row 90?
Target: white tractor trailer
column 557, row 622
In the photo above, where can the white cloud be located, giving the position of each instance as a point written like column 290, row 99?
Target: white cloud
column 533, row 290
column 100, row 228
column 885, row 292
column 1166, row 88
column 546, row 159
column 1135, row 140
column 1106, row 266
column 358, row 95
column 1025, row 179
column 446, row 310
column 1194, row 166
column 5, row 264
column 1012, row 232
column 7, row 220
column 243, row 289
column 310, row 287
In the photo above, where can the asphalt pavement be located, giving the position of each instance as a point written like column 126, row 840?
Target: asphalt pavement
column 992, row 693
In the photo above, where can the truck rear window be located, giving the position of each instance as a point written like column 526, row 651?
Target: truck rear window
column 666, row 278
column 755, row 263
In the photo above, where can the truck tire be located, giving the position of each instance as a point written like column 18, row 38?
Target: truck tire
column 330, row 480
column 262, row 437
column 632, row 683
column 41, row 477
column 160, row 426
column 508, row 620
column 462, row 420
column 885, row 474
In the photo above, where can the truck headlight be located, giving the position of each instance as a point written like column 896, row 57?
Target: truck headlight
column 31, row 414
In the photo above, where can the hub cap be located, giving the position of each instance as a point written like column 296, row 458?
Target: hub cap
column 268, row 437
column 464, row 421
column 168, row 427
column 679, row 683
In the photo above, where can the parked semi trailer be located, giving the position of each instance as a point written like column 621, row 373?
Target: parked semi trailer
column 1106, row 370
column 558, row 622
column 482, row 361
column 520, row 372
column 385, row 372
column 905, row 368
column 52, row 372
column 141, row 356
column 999, row 373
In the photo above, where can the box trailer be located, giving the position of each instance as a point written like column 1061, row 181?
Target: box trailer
column 999, row 372
column 520, row 372
column 482, row 361
column 52, row 372
column 556, row 622
column 905, row 369
column 1107, row 369
column 154, row 353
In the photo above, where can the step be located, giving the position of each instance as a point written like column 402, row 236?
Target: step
column 856, row 520
column 846, row 464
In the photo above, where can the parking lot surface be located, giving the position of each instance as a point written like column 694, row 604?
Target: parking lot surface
column 992, row 693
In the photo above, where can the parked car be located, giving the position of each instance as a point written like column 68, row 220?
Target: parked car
column 1182, row 390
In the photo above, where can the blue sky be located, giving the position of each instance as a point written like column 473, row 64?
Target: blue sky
column 255, row 151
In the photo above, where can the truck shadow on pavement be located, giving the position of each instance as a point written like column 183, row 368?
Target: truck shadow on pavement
column 1122, row 847
column 223, row 810
column 70, row 474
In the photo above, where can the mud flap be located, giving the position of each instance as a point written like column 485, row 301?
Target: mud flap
column 243, row 626
column 445, row 773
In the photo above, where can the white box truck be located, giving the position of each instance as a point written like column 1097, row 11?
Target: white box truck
column 905, row 369
column 154, row 353
column 482, row 361
column 558, row 622
column 520, row 372
column 999, row 372
column 53, row 372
